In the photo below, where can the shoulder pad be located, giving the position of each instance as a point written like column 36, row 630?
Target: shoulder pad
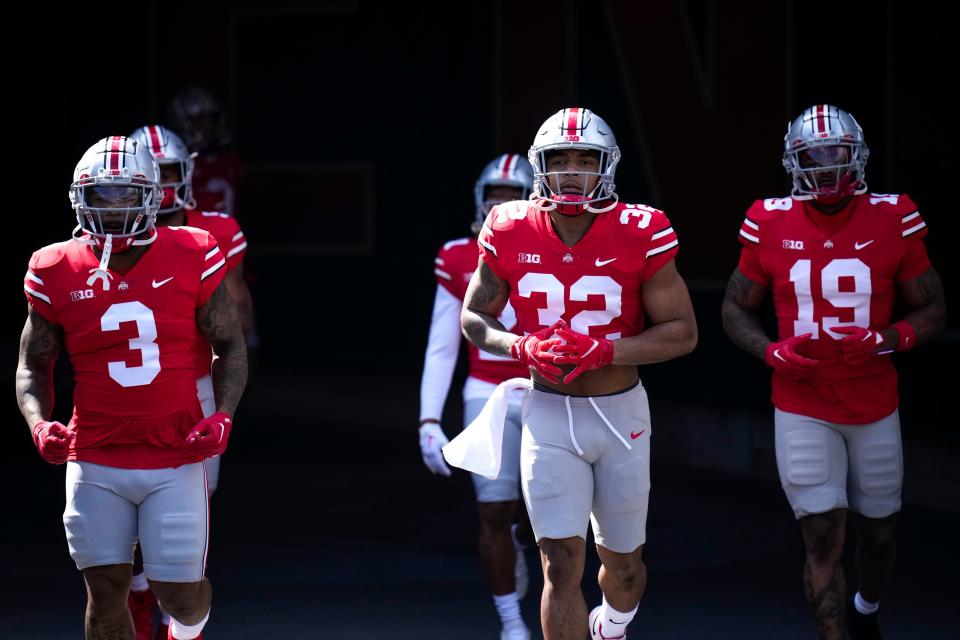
column 49, row 255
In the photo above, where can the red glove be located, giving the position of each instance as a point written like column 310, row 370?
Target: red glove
column 782, row 356
column 209, row 437
column 585, row 352
column 860, row 344
column 536, row 350
column 53, row 441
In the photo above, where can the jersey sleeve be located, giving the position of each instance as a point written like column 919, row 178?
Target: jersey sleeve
column 662, row 247
column 913, row 229
column 213, row 269
column 912, row 226
column 913, row 262
column 487, row 244
column 751, row 266
column 749, row 232
column 443, row 271
column 38, row 291
column 233, row 243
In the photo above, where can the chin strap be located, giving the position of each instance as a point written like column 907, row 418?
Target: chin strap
column 613, row 204
column 146, row 241
column 537, row 203
column 100, row 272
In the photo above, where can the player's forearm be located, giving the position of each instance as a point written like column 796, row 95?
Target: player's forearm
column 928, row 312
column 744, row 328
column 486, row 332
column 229, row 374
column 240, row 294
column 660, row 342
column 34, row 394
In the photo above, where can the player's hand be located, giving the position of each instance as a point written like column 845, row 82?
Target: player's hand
column 783, row 357
column 584, row 351
column 53, row 441
column 860, row 344
column 432, row 440
column 537, row 350
column 209, row 437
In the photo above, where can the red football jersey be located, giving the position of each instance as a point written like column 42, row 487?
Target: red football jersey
column 226, row 231
column 595, row 284
column 132, row 344
column 834, row 271
column 216, row 179
column 455, row 263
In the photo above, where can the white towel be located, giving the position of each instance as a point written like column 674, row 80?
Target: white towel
column 479, row 447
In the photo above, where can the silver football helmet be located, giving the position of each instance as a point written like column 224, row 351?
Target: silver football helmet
column 168, row 149
column 825, row 154
column 116, row 168
column 507, row 170
column 575, row 128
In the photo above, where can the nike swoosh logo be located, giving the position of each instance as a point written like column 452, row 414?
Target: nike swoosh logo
column 601, row 263
column 162, row 282
column 633, row 436
column 857, row 246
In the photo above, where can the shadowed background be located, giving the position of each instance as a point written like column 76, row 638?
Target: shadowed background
column 363, row 128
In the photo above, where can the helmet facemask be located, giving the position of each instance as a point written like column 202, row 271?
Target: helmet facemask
column 120, row 210
column 176, row 178
column 596, row 186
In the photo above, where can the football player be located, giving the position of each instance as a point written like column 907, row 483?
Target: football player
column 130, row 302
column 508, row 177
column 582, row 271
column 199, row 118
column 178, row 208
column 836, row 259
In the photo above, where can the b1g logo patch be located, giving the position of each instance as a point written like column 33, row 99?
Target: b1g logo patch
column 793, row 244
column 528, row 258
column 83, row 294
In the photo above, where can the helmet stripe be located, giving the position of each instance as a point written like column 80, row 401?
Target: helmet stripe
column 155, row 143
column 508, row 161
column 114, row 158
column 573, row 121
column 821, row 122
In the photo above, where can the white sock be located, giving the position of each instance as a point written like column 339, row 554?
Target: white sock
column 508, row 606
column 187, row 632
column 614, row 622
column 516, row 542
column 864, row 607
column 139, row 583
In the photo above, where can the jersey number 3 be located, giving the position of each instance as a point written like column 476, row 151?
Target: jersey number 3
column 145, row 342
column 855, row 271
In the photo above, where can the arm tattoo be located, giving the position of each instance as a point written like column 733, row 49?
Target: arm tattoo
column 40, row 344
column 219, row 323
column 486, row 296
column 926, row 304
column 740, row 319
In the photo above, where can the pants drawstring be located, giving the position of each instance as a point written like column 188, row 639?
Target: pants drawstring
column 610, row 426
column 573, row 438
